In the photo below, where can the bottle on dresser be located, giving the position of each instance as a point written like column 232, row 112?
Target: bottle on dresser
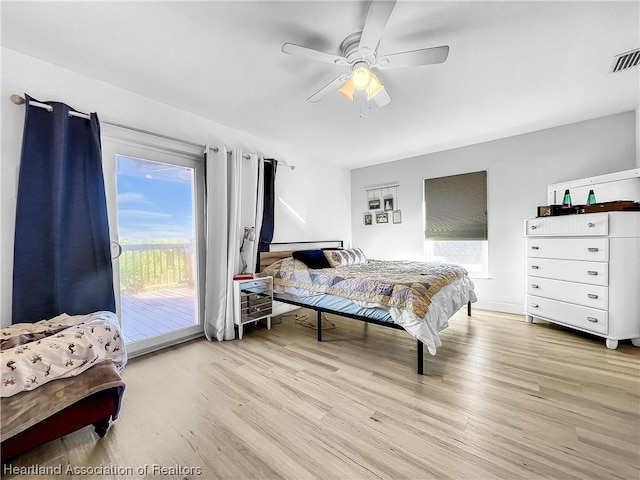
column 566, row 200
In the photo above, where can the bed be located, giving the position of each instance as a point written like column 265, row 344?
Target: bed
column 418, row 297
column 58, row 376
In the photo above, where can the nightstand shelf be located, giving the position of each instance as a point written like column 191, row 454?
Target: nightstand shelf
column 253, row 301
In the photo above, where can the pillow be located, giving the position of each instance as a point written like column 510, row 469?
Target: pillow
column 312, row 258
column 344, row 258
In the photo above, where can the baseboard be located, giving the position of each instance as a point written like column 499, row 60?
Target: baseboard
column 279, row 308
column 515, row 308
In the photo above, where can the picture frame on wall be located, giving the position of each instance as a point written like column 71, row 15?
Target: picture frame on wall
column 397, row 216
column 382, row 217
column 388, row 204
column 368, row 219
column 374, row 204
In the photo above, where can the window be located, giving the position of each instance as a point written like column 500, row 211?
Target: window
column 456, row 221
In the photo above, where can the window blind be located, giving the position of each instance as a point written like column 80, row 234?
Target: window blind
column 456, row 207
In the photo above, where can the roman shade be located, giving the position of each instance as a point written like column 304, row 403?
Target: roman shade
column 456, row 207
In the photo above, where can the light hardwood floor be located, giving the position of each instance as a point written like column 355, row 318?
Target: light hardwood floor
column 501, row 399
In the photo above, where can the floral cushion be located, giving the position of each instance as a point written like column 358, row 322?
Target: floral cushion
column 344, row 258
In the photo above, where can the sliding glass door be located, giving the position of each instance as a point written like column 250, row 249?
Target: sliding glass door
column 156, row 222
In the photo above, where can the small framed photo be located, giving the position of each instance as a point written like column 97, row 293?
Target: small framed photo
column 397, row 216
column 368, row 219
column 374, row 204
column 382, row 217
column 388, row 204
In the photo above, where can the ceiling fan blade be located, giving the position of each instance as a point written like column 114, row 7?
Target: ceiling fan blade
column 415, row 58
column 377, row 18
column 305, row 52
column 382, row 98
column 333, row 84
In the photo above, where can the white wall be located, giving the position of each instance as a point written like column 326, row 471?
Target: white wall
column 519, row 170
column 638, row 137
column 302, row 189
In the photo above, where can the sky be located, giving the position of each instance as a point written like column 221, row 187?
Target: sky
column 154, row 201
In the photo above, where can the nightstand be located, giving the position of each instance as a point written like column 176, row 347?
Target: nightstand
column 252, row 301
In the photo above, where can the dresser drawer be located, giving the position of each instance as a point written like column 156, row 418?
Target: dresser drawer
column 255, row 313
column 584, row 318
column 254, row 298
column 594, row 273
column 594, row 296
column 256, row 286
column 592, row 249
column 569, row 225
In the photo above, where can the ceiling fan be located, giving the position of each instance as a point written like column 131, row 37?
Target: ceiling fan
column 360, row 53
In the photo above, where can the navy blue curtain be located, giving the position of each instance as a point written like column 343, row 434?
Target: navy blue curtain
column 62, row 257
column 266, row 233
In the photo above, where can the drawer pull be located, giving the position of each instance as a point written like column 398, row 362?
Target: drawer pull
column 535, row 267
column 533, row 227
column 592, row 295
column 535, row 248
column 534, row 305
column 592, row 273
column 591, row 224
column 533, row 285
column 592, row 319
column 593, row 249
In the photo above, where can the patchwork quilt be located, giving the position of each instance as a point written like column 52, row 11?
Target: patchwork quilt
column 33, row 354
column 405, row 285
column 420, row 297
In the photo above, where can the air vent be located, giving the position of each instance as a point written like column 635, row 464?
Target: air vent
column 625, row 61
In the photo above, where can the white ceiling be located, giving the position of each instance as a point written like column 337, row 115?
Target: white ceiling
column 513, row 67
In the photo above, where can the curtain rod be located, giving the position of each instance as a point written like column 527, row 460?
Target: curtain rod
column 18, row 100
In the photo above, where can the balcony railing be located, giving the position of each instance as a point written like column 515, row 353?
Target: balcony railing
column 152, row 266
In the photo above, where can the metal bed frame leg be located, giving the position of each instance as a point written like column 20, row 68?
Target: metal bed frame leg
column 319, row 326
column 469, row 308
column 420, row 351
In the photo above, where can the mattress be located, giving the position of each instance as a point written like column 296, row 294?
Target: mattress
column 337, row 304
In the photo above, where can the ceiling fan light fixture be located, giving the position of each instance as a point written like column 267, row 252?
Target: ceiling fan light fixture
column 375, row 86
column 348, row 89
column 372, row 88
column 361, row 77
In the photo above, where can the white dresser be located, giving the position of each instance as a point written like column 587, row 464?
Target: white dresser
column 583, row 271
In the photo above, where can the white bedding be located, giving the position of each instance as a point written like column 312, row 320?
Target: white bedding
column 444, row 304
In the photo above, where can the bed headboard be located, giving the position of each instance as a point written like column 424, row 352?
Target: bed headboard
column 279, row 250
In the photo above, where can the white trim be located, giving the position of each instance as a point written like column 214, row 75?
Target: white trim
column 153, row 144
column 148, row 345
column 514, row 308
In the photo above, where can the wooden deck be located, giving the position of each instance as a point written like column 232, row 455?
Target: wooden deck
column 155, row 312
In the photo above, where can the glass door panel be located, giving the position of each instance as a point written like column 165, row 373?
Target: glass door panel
column 154, row 216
